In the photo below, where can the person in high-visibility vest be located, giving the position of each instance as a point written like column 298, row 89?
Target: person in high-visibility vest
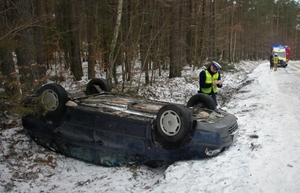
column 275, row 61
column 210, row 80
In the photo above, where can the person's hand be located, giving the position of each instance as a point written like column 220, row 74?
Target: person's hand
column 220, row 82
column 215, row 82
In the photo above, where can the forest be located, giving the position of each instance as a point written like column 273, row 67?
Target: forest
column 167, row 35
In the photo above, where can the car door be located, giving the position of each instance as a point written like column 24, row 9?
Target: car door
column 119, row 140
column 75, row 136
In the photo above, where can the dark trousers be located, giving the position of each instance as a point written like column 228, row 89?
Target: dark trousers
column 214, row 96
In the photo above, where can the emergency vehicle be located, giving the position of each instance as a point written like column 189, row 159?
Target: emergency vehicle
column 287, row 51
column 283, row 53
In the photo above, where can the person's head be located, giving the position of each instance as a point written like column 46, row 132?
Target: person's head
column 275, row 54
column 215, row 67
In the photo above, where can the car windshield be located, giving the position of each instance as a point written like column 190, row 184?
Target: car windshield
column 280, row 54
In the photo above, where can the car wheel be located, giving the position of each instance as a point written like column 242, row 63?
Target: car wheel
column 53, row 98
column 202, row 100
column 173, row 122
column 101, row 83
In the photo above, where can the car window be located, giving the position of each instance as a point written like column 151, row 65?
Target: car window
column 82, row 153
column 114, row 159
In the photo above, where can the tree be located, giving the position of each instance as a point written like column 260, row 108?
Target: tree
column 7, row 67
column 39, row 41
column 91, row 36
column 169, row 33
column 26, row 52
column 175, row 65
column 114, row 41
column 203, row 32
column 75, row 60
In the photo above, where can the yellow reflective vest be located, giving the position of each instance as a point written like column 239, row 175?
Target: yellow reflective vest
column 209, row 80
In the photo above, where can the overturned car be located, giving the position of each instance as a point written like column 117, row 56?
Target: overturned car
column 102, row 127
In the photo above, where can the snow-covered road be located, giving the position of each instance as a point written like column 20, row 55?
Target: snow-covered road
column 268, row 108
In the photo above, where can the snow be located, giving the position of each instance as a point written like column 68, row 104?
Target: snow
column 264, row 158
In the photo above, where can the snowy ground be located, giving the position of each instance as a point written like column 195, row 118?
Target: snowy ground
column 264, row 158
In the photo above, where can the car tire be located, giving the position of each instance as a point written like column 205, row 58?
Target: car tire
column 202, row 100
column 283, row 64
column 53, row 98
column 173, row 122
column 102, row 83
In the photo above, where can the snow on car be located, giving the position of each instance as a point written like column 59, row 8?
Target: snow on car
column 105, row 128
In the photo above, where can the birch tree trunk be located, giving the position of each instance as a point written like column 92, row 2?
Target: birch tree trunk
column 114, row 41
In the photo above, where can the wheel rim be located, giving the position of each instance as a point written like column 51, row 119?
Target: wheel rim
column 170, row 123
column 50, row 100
